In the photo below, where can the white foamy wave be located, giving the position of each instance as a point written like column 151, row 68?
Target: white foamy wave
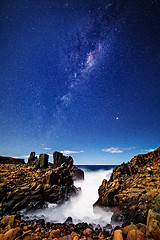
column 80, row 208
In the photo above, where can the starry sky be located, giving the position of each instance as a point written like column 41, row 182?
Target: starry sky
column 80, row 77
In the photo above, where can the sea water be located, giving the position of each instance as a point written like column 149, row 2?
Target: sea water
column 80, row 207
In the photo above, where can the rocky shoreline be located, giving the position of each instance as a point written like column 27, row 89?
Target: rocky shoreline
column 132, row 191
column 31, row 185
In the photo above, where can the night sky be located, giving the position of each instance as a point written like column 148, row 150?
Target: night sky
column 82, row 77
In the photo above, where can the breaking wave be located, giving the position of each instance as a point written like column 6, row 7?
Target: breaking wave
column 80, row 207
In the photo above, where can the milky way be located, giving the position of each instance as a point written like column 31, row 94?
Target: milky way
column 80, row 75
column 88, row 44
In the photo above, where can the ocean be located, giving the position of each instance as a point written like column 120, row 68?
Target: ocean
column 80, row 207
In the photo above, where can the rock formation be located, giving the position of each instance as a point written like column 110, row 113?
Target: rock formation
column 31, row 185
column 25, row 187
column 41, row 162
column 60, row 159
column 133, row 188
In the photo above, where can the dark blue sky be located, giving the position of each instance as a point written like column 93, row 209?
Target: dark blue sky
column 80, row 76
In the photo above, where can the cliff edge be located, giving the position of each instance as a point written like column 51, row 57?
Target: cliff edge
column 133, row 188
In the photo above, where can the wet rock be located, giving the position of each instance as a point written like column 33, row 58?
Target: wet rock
column 77, row 174
column 68, row 221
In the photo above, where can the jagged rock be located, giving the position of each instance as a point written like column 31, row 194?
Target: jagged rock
column 59, row 159
column 153, row 225
column 77, row 173
column 68, row 221
column 41, row 162
column 133, row 187
column 32, row 157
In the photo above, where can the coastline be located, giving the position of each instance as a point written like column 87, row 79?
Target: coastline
column 18, row 228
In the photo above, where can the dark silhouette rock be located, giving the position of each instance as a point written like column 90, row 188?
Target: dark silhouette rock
column 68, row 221
column 10, row 160
column 32, row 158
column 41, row 162
column 43, row 159
column 59, row 159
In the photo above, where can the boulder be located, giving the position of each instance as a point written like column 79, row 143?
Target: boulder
column 87, row 231
column 118, row 235
column 55, row 233
column 128, row 228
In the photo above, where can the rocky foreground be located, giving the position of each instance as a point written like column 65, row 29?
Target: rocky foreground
column 133, row 192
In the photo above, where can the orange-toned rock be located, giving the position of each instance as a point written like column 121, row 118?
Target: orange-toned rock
column 25, row 228
column 87, row 231
column 2, row 237
column 55, row 233
column 140, row 235
column 13, row 233
column 76, row 238
column 67, row 237
column 133, row 188
column 118, row 235
column 9, row 221
column 135, row 235
column 129, row 228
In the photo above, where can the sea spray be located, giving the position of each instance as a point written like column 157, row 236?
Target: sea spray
column 80, row 207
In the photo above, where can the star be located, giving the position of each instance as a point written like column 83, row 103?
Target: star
column 117, row 118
